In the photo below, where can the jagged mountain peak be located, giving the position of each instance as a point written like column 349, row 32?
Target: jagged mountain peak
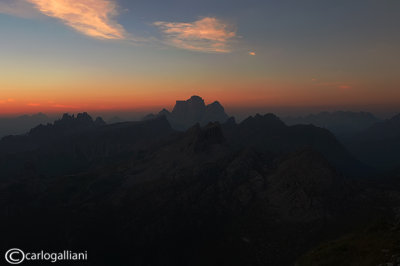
column 164, row 112
column 187, row 113
column 215, row 107
column 196, row 99
column 67, row 117
column 66, row 125
column 215, row 103
column 267, row 120
column 82, row 117
column 194, row 106
column 99, row 121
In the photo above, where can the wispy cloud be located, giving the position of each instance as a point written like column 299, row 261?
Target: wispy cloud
column 7, row 101
column 34, row 104
column 94, row 18
column 19, row 8
column 205, row 35
column 339, row 85
column 345, row 86
column 64, row 106
column 97, row 18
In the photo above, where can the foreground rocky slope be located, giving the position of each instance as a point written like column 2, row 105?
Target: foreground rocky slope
column 254, row 193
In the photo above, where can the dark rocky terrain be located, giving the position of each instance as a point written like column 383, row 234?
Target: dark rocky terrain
column 257, row 192
column 73, row 144
column 269, row 133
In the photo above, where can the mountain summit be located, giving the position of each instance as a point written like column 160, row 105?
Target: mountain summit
column 68, row 124
column 187, row 113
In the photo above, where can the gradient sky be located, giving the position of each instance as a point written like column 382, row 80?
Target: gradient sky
column 106, row 55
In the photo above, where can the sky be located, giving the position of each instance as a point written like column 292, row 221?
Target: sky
column 113, row 56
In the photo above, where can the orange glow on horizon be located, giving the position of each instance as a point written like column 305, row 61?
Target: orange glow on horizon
column 107, row 95
column 256, row 97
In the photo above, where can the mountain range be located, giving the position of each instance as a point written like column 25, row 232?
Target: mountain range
column 378, row 145
column 176, row 201
column 21, row 124
column 257, row 192
column 343, row 124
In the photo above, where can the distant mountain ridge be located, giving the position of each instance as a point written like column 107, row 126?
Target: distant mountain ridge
column 342, row 123
column 268, row 133
column 21, row 124
column 194, row 110
column 67, row 124
column 378, row 145
column 44, row 134
column 73, row 144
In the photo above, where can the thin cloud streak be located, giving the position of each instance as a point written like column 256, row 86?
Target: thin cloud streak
column 205, row 35
column 64, row 106
column 339, row 85
column 19, row 8
column 345, row 87
column 94, row 18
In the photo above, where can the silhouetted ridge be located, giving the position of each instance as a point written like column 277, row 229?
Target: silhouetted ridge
column 21, row 124
column 99, row 121
column 214, row 112
column 379, row 145
column 164, row 112
column 68, row 124
column 382, row 130
column 68, row 120
column 343, row 124
column 267, row 121
column 215, row 106
column 75, row 143
column 187, row 113
column 193, row 108
column 396, row 118
column 269, row 133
